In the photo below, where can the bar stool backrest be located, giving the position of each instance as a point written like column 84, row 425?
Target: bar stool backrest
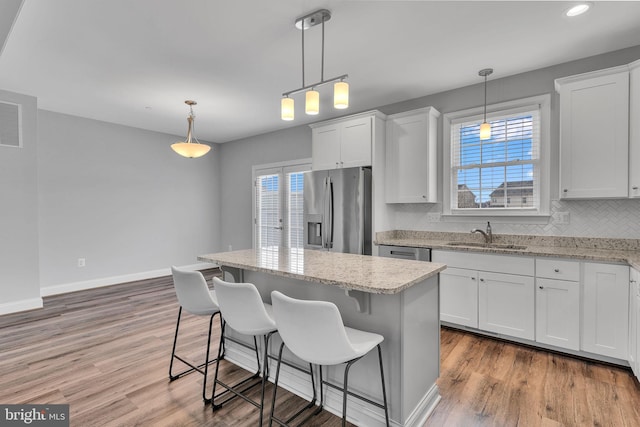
column 312, row 330
column 242, row 307
column 192, row 292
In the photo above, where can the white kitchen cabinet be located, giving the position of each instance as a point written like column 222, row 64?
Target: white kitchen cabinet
column 605, row 311
column 634, row 321
column 459, row 296
column 634, row 129
column 506, row 304
column 411, row 160
column 502, row 288
column 594, row 134
column 558, row 303
column 558, row 313
column 345, row 142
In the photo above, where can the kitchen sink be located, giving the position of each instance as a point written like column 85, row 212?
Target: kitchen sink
column 486, row 245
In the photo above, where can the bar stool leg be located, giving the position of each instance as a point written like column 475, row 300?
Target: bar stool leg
column 173, row 351
column 384, row 392
column 344, row 391
column 275, row 385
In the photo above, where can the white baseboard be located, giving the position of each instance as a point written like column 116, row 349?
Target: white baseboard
column 114, row 280
column 22, row 305
column 425, row 407
column 359, row 413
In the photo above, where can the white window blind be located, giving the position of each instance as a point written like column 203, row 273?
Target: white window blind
column 500, row 173
column 268, row 220
column 278, row 205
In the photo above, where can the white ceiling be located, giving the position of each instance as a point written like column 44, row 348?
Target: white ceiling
column 134, row 62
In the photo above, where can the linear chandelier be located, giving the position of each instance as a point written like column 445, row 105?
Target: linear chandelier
column 312, row 97
column 189, row 148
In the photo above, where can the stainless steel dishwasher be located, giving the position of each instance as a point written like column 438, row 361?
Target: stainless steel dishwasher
column 404, row 252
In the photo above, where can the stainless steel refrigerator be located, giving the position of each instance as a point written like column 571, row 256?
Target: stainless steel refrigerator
column 337, row 210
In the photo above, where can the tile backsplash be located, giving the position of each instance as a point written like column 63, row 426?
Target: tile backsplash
column 584, row 218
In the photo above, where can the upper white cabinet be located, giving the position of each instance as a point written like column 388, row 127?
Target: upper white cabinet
column 411, row 157
column 345, row 142
column 634, row 129
column 605, row 322
column 594, row 134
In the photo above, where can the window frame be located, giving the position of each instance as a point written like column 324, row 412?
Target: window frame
column 494, row 111
column 282, row 169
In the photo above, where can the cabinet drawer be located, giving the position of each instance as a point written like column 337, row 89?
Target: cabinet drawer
column 558, row 269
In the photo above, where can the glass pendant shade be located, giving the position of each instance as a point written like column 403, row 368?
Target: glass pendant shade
column 286, row 109
column 485, row 131
column 190, row 149
column 341, row 95
column 312, row 104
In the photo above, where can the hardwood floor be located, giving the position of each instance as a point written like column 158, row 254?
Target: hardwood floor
column 106, row 353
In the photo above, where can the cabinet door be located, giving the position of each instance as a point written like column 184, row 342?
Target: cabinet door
column 410, row 163
column 558, row 313
column 634, row 130
column 506, row 304
column 355, row 143
column 325, row 147
column 594, row 137
column 459, row 297
column 606, row 310
column 633, row 320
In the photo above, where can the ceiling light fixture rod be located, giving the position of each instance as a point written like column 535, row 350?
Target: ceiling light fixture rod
column 320, row 83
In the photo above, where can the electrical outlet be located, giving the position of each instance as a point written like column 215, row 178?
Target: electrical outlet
column 561, row 217
column 230, row 248
column 81, row 262
column 433, row 216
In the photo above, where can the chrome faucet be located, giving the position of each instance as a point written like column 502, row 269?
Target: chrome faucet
column 488, row 236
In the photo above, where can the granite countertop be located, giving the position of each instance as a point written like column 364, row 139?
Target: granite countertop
column 349, row 271
column 582, row 248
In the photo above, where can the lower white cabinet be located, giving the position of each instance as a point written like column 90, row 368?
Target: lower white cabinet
column 558, row 313
column 605, row 315
column 634, row 321
column 506, row 304
column 459, row 296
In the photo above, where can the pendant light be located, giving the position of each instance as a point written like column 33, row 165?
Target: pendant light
column 189, row 148
column 485, row 128
column 312, row 96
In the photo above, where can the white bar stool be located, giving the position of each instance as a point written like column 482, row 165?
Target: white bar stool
column 314, row 332
column 195, row 297
column 242, row 309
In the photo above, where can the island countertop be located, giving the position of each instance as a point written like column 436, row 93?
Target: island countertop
column 365, row 273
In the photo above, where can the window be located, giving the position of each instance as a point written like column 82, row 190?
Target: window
column 278, row 205
column 503, row 175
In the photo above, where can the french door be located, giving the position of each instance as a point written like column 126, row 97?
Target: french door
column 278, row 202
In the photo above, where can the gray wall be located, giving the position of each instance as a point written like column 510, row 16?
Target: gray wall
column 236, row 188
column 120, row 198
column 599, row 218
column 19, row 280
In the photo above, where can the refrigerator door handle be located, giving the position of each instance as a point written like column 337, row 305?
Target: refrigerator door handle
column 325, row 220
column 330, row 233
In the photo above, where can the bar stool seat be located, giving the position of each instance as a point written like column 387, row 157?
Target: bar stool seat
column 314, row 332
column 194, row 297
column 243, row 310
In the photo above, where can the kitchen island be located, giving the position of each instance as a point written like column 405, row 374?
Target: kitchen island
column 398, row 299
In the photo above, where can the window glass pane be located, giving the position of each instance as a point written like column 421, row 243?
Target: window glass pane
column 295, row 206
column 499, row 172
column 268, row 223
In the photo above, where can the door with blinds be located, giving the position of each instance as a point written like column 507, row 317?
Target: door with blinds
column 278, row 205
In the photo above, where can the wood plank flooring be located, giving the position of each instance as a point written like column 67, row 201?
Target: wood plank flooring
column 106, row 353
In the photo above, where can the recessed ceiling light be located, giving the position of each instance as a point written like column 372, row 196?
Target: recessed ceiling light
column 578, row 9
